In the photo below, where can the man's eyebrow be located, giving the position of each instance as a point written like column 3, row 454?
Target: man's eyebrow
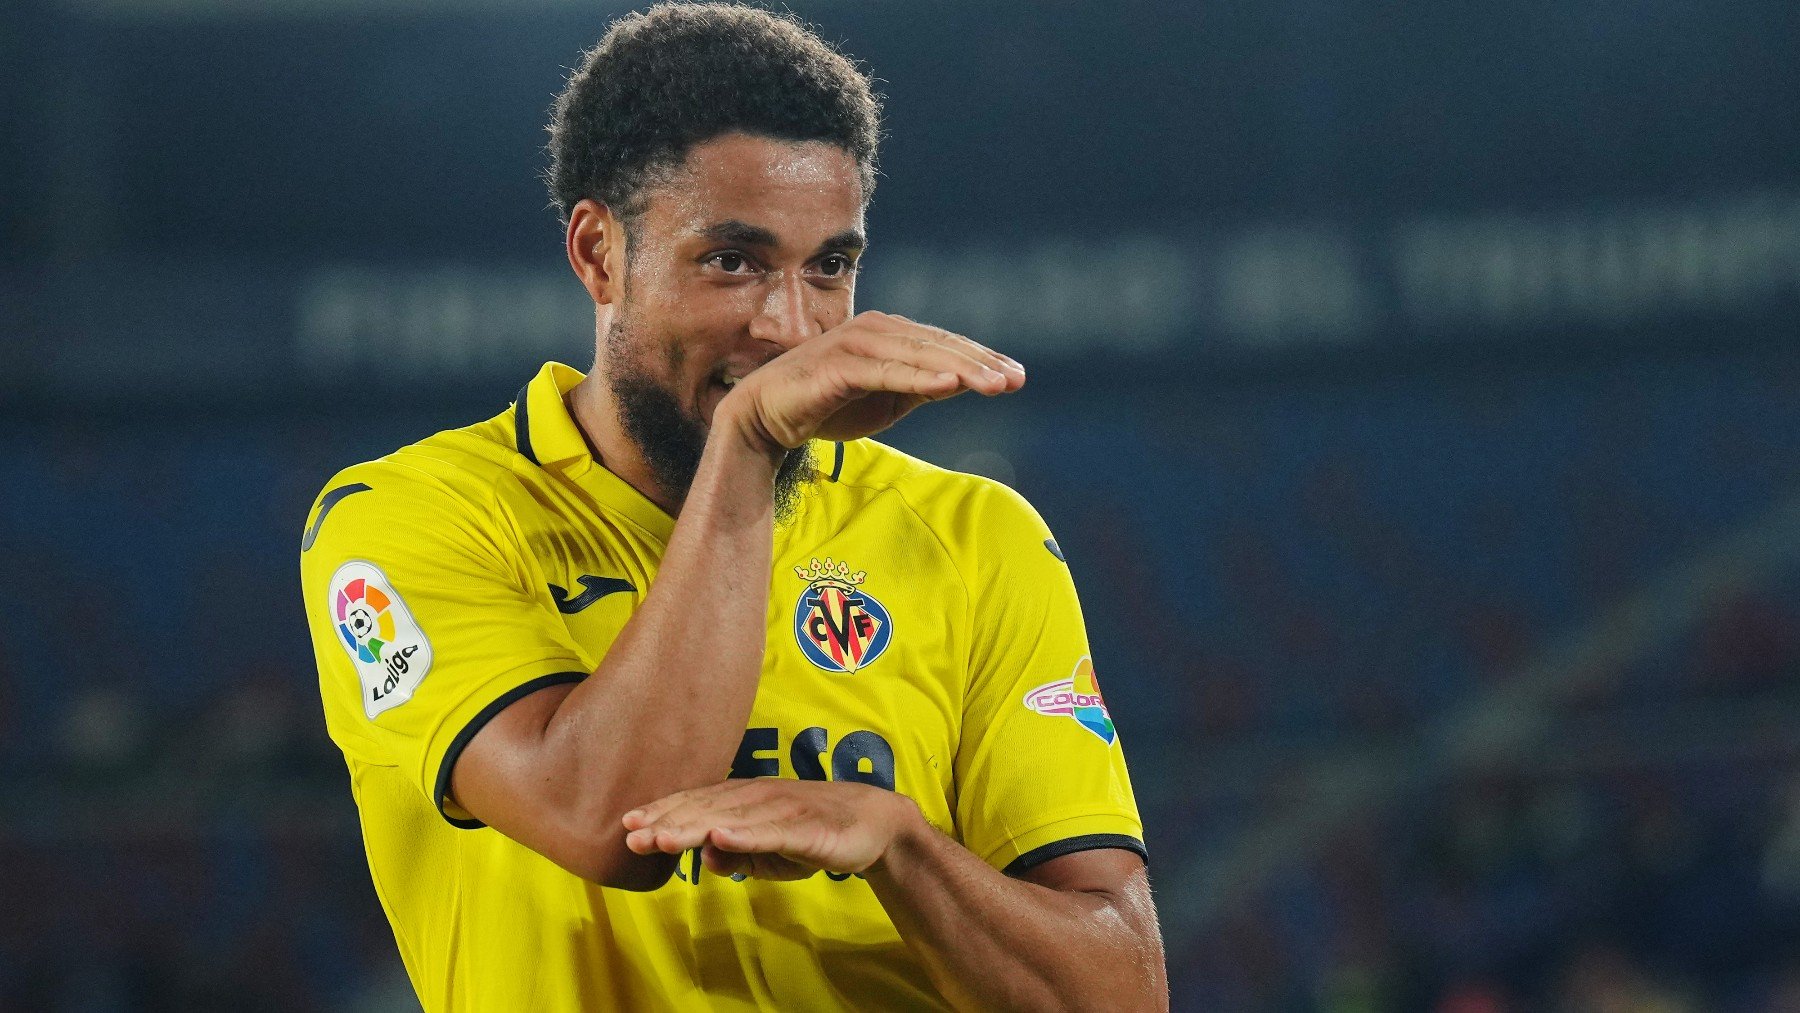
column 844, row 242
column 742, row 233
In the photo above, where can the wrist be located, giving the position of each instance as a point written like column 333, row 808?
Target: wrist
column 908, row 832
column 738, row 421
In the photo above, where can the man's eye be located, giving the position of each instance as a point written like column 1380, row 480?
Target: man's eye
column 836, row 266
column 730, row 263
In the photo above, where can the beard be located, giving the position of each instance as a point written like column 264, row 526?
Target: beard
column 672, row 439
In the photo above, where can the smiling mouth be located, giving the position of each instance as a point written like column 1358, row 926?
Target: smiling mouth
column 728, row 377
column 720, row 384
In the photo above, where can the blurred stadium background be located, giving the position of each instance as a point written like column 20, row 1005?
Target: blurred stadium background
column 1414, row 390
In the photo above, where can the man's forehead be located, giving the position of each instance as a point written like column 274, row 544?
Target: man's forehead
column 795, row 192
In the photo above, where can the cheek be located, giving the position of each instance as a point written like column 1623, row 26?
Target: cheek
column 835, row 307
column 704, row 306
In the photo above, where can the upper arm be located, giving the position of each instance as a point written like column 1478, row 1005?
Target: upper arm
column 1120, row 878
column 1109, row 871
column 472, row 719
column 423, row 627
column 1040, row 769
column 513, row 776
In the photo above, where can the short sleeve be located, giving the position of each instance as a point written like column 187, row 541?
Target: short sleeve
column 1040, row 771
column 423, row 624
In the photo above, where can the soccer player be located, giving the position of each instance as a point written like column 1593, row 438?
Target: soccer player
column 667, row 688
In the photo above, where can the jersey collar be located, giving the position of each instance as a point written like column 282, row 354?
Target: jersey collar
column 547, row 435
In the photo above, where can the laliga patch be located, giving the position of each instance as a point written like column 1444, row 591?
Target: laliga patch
column 840, row 627
column 1077, row 698
column 387, row 647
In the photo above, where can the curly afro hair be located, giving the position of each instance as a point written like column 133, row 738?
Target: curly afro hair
column 683, row 73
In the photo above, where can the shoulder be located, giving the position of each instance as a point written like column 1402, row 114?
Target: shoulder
column 446, row 484
column 959, row 507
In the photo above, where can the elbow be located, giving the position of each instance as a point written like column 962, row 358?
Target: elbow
column 611, row 864
column 637, row 873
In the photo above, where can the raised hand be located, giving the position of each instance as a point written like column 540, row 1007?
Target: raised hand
column 860, row 378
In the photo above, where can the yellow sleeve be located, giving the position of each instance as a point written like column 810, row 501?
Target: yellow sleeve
column 1040, row 771
column 424, row 622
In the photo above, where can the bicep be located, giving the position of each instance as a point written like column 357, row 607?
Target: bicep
column 522, row 774
column 1096, row 870
column 1120, row 878
column 505, row 776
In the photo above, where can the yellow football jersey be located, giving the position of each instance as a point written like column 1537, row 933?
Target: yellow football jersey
column 924, row 635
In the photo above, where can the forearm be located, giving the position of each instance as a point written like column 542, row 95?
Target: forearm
column 989, row 941
column 667, row 706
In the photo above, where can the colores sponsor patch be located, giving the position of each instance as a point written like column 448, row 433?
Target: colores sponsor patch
column 1077, row 698
column 384, row 642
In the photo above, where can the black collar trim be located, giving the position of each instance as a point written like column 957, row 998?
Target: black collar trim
column 522, row 427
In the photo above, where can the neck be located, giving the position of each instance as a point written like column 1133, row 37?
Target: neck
column 592, row 407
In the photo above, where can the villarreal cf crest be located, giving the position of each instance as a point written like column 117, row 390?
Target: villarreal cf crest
column 840, row 627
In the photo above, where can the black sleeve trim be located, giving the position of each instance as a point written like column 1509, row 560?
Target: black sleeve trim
column 475, row 724
column 1087, row 842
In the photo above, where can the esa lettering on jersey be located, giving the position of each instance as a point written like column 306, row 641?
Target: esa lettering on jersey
column 861, row 755
column 379, row 634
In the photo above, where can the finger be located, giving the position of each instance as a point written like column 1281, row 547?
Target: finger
column 900, row 327
column 668, row 840
column 645, row 815
column 975, row 349
column 864, row 373
column 919, row 347
column 773, row 850
column 687, row 824
column 723, row 863
column 759, row 866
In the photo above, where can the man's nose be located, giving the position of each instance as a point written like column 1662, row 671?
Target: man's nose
column 787, row 315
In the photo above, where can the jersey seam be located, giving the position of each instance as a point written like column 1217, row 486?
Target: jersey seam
column 488, row 507
column 955, row 565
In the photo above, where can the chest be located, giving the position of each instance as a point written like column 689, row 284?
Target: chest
column 864, row 653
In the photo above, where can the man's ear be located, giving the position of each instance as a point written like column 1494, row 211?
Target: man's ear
column 595, row 243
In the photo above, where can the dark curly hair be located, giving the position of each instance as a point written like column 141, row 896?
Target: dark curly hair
column 683, row 73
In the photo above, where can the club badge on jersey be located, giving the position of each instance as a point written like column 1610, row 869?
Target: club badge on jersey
column 377, row 630
column 840, row 627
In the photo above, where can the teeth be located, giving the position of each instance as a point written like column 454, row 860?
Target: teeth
column 731, row 381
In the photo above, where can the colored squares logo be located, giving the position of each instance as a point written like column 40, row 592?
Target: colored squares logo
column 363, row 619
